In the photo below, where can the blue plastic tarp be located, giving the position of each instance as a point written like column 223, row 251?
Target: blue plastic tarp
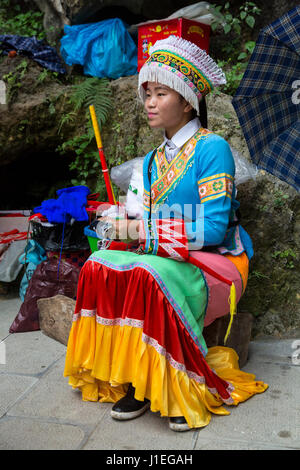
column 104, row 49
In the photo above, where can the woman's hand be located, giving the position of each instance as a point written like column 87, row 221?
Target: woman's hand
column 123, row 229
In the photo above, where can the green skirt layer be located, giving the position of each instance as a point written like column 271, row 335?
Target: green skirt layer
column 182, row 283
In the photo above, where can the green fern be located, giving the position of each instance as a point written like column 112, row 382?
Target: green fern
column 93, row 91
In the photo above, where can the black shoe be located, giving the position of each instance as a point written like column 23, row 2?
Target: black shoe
column 178, row 423
column 128, row 407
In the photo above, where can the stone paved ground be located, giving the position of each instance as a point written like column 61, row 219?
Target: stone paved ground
column 38, row 409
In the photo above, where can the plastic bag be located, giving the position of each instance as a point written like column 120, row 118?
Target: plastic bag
column 244, row 170
column 134, row 200
column 45, row 283
column 9, row 264
column 104, row 49
column 33, row 255
column 201, row 11
column 129, row 178
column 121, row 174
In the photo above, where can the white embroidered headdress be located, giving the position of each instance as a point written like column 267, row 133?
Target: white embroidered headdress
column 182, row 66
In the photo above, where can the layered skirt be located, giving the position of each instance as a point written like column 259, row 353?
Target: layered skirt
column 139, row 319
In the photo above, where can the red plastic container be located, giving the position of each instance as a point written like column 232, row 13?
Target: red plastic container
column 149, row 33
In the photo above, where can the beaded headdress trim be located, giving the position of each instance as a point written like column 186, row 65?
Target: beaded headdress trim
column 184, row 67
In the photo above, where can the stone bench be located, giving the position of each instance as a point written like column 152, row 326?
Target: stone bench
column 239, row 337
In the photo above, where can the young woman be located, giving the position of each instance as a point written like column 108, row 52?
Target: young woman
column 136, row 338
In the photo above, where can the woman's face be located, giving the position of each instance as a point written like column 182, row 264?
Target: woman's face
column 166, row 108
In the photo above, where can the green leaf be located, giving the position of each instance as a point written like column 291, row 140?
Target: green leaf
column 227, row 28
column 237, row 28
column 84, row 145
column 228, row 17
column 249, row 46
column 242, row 55
column 250, row 20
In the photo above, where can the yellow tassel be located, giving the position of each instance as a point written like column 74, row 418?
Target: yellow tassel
column 232, row 302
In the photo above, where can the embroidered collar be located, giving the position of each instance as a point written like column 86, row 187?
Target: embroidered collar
column 183, row 135
column 166, row 177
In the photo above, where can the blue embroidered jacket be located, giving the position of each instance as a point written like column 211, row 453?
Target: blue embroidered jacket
column 198, row 186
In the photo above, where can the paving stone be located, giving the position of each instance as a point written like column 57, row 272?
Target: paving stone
column 236, row 445
column 268, row 349
column 271, row 418
column 30, row 353
column 33, row 434
column 148, row 432
column 9, row 308
column 52, row 397
column 12, row 387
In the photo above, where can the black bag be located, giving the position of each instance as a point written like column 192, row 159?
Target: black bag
column 65, row 237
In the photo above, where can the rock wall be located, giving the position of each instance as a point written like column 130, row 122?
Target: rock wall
column 60, row 12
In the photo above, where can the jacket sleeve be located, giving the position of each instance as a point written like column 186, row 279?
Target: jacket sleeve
column 214, row 175
column 146, row 183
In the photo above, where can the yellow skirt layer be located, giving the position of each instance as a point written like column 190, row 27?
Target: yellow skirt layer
column 102, row 360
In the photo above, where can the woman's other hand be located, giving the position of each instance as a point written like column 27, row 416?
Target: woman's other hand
column 123, row 229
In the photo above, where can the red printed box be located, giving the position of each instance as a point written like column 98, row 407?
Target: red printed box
column 149, row 33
